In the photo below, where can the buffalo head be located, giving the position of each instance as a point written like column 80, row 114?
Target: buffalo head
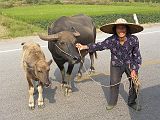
column 64, row 42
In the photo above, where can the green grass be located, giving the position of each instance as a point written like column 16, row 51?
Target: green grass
column 35, row 13
column 17, row 28
column 41, row 15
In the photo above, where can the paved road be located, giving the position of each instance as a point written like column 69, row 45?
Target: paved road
column 88, row 100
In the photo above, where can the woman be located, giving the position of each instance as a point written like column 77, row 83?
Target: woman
column 125, row 56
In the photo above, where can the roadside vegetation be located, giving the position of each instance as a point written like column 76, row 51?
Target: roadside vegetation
column 32, row 18
column 10, row 28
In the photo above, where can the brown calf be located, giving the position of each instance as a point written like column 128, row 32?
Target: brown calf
column 36, row 68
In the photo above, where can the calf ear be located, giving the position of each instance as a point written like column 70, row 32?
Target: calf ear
column 23, row 43
column 75, row 33
column 49, row 62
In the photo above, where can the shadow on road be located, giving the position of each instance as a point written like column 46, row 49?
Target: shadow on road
column 101, row 79
column 58, row 77
column 149, row 98
column 49, row 94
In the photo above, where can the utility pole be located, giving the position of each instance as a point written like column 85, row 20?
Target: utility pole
column 135, row 18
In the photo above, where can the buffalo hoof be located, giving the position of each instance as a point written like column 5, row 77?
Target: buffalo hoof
column 68, row 91
column 48, row 85
column 91, row 71
column 78, row 76
column 63, row 85
column 40, row 103
column 41, row 106
column 31, row 106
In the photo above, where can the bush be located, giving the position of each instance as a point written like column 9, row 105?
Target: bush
column 103, row 19
column 143, row 18
column 17, row 28
column 58, row 2
column 8, row 4
column 32, row 1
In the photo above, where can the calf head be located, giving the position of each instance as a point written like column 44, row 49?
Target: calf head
column 65, row 45
column 42, row 69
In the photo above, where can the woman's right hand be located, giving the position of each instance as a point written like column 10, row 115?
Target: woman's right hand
column 81, row 47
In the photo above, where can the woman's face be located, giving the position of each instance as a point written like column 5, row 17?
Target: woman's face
column 121, row 30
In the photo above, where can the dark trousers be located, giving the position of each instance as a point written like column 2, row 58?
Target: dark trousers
column 115, row 77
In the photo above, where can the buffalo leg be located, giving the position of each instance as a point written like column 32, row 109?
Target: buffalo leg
column 80, row 68
column 40, row 95
column 68, row 77
column 63, row 83
column 92, row 69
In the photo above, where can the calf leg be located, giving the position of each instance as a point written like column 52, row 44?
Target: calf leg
column 31, row 91
column 31, row 99
column 40, row 96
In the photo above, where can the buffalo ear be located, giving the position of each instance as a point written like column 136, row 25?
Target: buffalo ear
column 50, row 61
column 75, row 32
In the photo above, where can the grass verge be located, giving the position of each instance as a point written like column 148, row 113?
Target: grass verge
column 14, row 28
column 27, row 20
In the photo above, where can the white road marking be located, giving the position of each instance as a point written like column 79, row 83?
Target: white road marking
column 147, row 33
column 5, row 51
column 13, row 50
column 143, row 33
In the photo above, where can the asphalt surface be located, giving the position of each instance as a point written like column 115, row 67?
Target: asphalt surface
column 88, row 101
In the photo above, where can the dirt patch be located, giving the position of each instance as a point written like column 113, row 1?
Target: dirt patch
column 3, row 31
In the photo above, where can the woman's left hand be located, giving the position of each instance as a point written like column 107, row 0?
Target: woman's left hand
column 81, row 47
column 133, row 74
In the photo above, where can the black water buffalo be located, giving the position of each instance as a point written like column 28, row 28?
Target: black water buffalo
column 62, row 36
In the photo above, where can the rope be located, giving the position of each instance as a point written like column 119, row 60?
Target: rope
column 135, row 81
column 107, row 86
column 64, row 51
